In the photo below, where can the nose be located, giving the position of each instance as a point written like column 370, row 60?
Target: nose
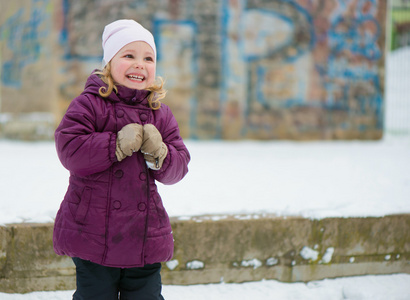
column 139, row 64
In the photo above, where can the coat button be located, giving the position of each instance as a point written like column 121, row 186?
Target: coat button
column 143, row 176
column 117, row 204
column 143, row 117
column 120, row 113
column 142, row 206
column 118, row 173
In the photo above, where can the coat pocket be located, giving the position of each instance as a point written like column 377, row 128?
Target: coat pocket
column 83, row 206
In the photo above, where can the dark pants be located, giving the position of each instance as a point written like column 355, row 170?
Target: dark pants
column 105, row 283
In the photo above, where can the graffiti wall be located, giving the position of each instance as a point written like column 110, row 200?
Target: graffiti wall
column 308, row 69
column 25, row 33
column 234, row 69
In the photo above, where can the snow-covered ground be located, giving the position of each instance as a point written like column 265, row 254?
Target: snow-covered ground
column 314, row 180
column 311, row 179
column 382, row 287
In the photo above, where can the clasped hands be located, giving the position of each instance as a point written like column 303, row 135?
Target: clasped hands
column 147, row 138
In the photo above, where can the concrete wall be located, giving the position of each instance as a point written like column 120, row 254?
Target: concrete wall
column 236, row 69
column 231, row 249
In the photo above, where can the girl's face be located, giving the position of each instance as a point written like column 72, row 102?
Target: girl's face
column 134, row 66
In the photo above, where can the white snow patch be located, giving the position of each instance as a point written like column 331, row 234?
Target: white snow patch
column 255, row 263
column 327, row 257
column 172, row 264
column 195, row 265
column 218, row 218
column 272, row 261
column 308, row 253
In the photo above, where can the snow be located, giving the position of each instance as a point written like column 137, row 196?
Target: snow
column 172, row 264
column 308, row 253
column 327, row 257
column 195, row 265
column 247, row 178
column 309, row 179
column 380, row 287
column 271, row 261
column 255, row 263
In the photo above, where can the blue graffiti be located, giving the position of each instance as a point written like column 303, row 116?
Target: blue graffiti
column 162, row 43
column 64, row 37
column 288, row 50
column 290, row 42
column 289, row 57
column 23, row 40
column 359, row 43
column 349, row 35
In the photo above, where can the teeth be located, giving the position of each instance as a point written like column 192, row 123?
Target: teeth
column 136, row 77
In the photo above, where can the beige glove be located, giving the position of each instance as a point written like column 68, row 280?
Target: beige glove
column 129, row 140
column 152, row 147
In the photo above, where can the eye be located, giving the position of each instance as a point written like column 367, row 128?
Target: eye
column 149, row 58
column 128, row 56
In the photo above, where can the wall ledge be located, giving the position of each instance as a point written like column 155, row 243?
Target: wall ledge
column 212, row 249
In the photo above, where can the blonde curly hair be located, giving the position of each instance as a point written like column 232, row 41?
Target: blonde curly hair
column 154, row 98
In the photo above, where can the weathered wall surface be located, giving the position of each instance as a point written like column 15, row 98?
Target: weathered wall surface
column 230, row 249
column 28, row 94
column 234, row 69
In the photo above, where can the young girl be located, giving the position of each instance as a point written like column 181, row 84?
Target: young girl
column 116, row 139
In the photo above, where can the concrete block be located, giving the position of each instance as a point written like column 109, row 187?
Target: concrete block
column 4, row 238
column 212, row 249
column 267, row 247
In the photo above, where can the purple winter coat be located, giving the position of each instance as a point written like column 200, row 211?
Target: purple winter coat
column 112, row 213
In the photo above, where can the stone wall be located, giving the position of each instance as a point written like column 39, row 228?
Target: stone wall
column 257, row 69
column 212, row 249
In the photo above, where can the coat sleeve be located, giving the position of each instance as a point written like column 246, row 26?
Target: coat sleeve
column 81, row 149
column 175, row 165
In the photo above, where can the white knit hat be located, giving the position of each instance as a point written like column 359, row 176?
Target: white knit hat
column 122, row 32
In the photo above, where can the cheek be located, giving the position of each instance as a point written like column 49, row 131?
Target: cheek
column 114, row 75
column 118, row 74
column 152, row 72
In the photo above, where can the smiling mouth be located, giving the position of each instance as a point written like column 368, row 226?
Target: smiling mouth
column 136, row 77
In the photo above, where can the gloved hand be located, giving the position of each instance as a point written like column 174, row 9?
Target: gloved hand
column 153, row 147
column 129, row 140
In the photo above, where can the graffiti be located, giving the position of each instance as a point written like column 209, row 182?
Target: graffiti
column 271, row 40
column 23, row 38
column 177, row 63
column 251, row 68
column 319, row 56
column 85, row 45
column 352, row 63
column 265, row 69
